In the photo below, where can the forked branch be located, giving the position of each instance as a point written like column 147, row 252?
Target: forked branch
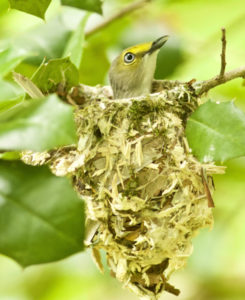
column 206, row 85
column 202, row 87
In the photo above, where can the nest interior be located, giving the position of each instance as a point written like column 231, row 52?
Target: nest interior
column 145, row 193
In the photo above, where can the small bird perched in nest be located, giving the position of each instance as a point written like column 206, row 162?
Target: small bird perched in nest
column 132, row 72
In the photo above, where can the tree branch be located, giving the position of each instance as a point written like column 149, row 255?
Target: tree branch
column 200, row 87
column 223, row 61
column 82, row 92
column 206, row 85
column 123, row 12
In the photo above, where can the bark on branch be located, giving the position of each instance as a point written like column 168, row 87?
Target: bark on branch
column 79, row 95
column 222, row 55
column 206, row 85
column 202, row 87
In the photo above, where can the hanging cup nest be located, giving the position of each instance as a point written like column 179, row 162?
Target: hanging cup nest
column 145, row 193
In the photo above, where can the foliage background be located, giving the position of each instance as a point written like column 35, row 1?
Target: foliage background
column 216, row 269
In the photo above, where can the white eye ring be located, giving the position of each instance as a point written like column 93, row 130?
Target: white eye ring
column 129, row 57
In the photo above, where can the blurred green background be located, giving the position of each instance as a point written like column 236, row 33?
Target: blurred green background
column 216, row 269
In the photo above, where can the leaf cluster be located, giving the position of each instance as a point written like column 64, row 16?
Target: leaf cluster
column 39, row 8
column 41, row 216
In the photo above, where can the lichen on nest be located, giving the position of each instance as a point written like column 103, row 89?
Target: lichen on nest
column 146, row 194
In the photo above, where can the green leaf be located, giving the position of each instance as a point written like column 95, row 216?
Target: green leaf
column 56, row 71
column 92, row 73
column 36, row 8
column 10, row 58
column 13, row 155
column 75, row 45
column 41, row 217
column 90, row 5
column 37, row 125
column 47, row 40
column 7, row 104
column 216, row 132
column 9, row 90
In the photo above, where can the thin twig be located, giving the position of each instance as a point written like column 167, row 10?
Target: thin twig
column 206, row 189
column 222, row 55
column 206, row 85
column 123, row 12
column 200, row 87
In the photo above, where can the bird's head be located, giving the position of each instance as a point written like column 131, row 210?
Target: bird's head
column 132, row 72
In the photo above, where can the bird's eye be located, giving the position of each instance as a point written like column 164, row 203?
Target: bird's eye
column 129, row 57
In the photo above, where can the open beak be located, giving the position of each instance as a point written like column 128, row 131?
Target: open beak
column 157, row 44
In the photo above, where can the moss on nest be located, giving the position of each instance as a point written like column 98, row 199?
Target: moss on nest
column 146, row 194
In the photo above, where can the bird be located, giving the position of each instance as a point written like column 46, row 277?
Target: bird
column 132, row 72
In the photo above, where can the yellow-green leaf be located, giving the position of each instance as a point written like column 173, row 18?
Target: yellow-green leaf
column 37, row 125
column 216, row 132
column 41, row 217
column 56, row 71
column 10, row 58
column 90, row 5
column 36, row 8
column 74, row 48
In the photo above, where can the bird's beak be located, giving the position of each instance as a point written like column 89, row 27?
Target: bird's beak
column 157, row 44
